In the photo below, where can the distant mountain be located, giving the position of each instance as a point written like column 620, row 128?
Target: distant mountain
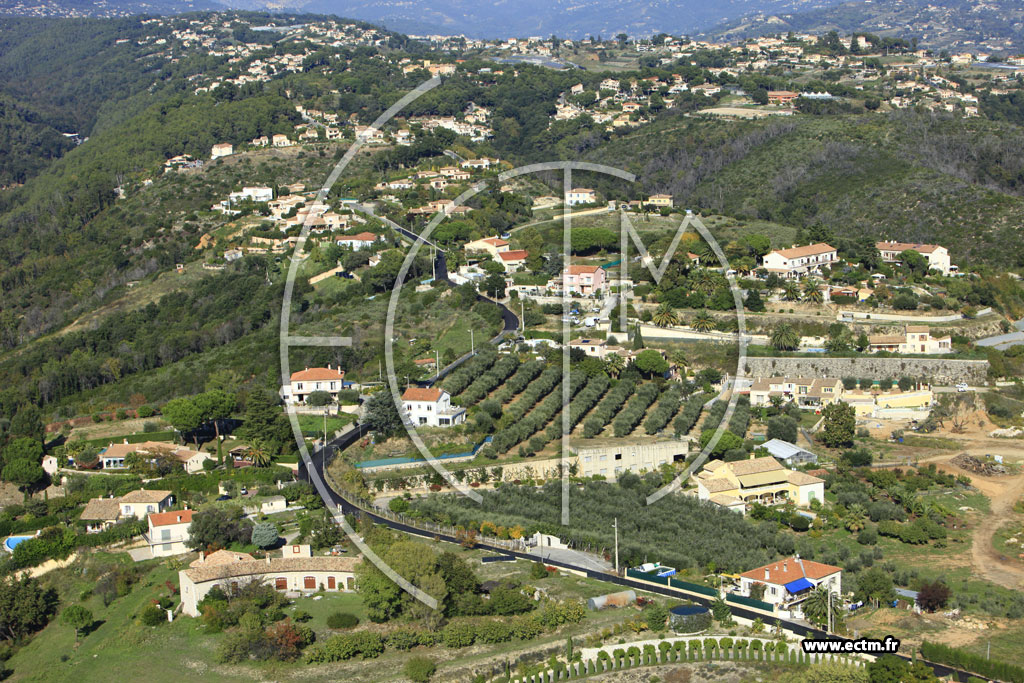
column 988, row 25
column 488, row 19
column 107, row 8
column 564, row 18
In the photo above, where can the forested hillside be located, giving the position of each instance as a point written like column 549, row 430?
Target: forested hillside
column 27, row 144
column 910, row 176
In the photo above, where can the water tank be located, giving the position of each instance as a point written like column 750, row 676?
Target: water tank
column 620, row 599
column 689, row 618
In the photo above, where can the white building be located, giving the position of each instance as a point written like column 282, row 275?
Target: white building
column 799, row 261
column 431, row 407
column 581, row 195
column 609, row 461
column 937, row 256
column 788, row 582
column 222, row 149
column 915, row 339
column 168, row 532
column 305, row 382
column 490, row 245
column 363, row 239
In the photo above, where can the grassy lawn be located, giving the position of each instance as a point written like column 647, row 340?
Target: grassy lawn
column 313, row 425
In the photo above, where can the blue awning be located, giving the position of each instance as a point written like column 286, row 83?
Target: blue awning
column 800, row 584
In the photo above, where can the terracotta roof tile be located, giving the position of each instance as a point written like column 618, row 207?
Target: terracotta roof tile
column 171, row 517
column 431, row 394
column 789, row 569
column 809, row 250
column 317, row 374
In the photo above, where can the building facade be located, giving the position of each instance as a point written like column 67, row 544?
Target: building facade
column 431, row 407
column 305, row 382
column 799, row 261
column 611, row 460
column 297, row 570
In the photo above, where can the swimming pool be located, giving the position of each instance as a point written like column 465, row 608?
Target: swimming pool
column 12, row 541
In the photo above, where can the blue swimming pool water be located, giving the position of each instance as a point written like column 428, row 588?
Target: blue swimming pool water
column 12, row 541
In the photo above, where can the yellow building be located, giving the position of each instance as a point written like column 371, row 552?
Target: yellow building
column 757, row 480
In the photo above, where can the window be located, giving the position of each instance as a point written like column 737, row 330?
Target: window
column 281, row 583
column 165, row 534
column 423, row 420
column 331, row 583
column 618, row 456
column 298, row 387
column 309, row 583
column 166, row 547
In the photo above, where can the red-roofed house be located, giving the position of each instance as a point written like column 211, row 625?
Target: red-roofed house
column 363, row 239
column 800, row 261
column 431, row 407
column 788, row 582
column 305, row 382
column 513, row 260
column 168, row 532
column 491, row 245
column 583, row 280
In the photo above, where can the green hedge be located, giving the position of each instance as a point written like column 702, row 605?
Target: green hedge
column 952, row 656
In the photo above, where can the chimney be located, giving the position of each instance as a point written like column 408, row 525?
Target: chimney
column 268, row 559
column 766, row 577
column 202, row 556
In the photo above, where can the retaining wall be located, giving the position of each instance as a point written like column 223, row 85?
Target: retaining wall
column 937, row 370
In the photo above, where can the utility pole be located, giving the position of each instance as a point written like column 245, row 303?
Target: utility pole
column 472, row 348
column 522, row 315
column 326, row 409
column 616, row 527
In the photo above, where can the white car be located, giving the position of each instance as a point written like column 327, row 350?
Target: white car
column 962, row 387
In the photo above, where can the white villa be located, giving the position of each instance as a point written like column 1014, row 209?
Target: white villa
column 168, row 532
column 799, row 261
column 937, row 256
column 915, row 339
column 581, row 195
column 431, row 407
column 305, row 382
column 788, row 582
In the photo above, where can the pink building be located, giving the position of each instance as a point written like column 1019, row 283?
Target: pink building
column 583, row 280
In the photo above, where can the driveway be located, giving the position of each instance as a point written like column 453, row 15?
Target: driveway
column 575, row 557
column 141, row 554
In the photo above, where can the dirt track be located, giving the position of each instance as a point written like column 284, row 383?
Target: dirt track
column 1003, row 492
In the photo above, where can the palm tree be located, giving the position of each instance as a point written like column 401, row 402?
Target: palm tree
column 705, row 281
column 856, row 518
column 665, row 316
column 784, row 337
column 816, row 606
column 791, row 291
column 811, row 291
column 703, row 322
column 706, row 253
column 260, row 454
column 614, row 364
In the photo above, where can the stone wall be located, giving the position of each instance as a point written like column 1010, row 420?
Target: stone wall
column 939, row 371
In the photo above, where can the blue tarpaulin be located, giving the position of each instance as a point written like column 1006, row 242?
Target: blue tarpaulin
column 799, row 585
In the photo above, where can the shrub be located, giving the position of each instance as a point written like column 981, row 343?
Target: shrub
column 152, row 615
column 145, row 411
column 403, row 639
column 419, row 669
column 458, row 634
column 342, row 620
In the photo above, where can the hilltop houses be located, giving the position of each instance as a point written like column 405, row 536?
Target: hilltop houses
column 168, row 532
